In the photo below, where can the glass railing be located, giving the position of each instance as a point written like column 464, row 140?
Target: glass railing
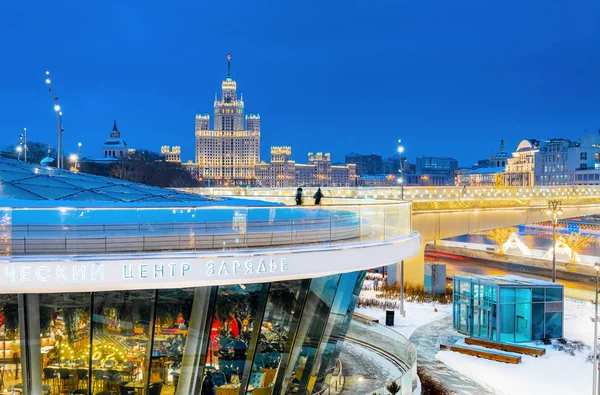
column 95, row 230
column 389, row 344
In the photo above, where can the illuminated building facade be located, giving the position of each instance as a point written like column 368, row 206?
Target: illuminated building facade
column 519, row 170
column 228, row 154
column 171, row 154
column 284, row 172
column 115, row 147
column 566, row 162
column 278, row 173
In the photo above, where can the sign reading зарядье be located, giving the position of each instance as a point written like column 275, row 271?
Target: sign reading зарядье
column 118, row 273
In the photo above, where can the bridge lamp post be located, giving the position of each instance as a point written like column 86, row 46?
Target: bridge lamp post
column 401, row 181
column 554, row 211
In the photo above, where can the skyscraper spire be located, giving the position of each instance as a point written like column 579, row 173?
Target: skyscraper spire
column 115, row 126
column 228, row 66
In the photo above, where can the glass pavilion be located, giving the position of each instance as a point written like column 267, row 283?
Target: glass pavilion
column 259, row 337
column 508, row 308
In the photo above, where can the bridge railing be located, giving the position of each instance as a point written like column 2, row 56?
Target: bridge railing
column 424, row 198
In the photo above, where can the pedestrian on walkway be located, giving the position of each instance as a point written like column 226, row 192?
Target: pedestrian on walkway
column 318, row 196
column 375, row 284
column 299, row 197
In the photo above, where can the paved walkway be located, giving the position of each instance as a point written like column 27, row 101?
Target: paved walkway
column 427, row 339
column 364, row 370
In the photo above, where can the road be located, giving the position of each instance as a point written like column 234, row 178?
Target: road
column 582, row 290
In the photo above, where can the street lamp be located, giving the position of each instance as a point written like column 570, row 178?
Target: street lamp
column 56, row 107
column 554, row 210
column 23, row 142
column 19, row 149
column 595, row 365
column 401, row 181
column 401, row 170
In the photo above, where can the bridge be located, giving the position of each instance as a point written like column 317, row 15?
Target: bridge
column 443, row 212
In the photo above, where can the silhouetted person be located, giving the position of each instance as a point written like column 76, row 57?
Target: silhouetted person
column 299, row 197
column 318, row 196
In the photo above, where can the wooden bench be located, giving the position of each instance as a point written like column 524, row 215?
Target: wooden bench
column 527, row 350
column 476, row 352
column 367, row 318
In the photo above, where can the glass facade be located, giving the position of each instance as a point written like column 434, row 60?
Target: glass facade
column 508, row 309
column 267, row 338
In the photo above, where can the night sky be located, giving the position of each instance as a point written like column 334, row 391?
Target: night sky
column 447, row 77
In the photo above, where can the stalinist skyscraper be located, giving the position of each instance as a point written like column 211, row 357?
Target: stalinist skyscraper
column 227, row 153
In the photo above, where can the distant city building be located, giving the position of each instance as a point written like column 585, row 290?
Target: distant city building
column 482, row 177
column 487, row 172
column 380, row 180
column 519, row 171
column 318, row 171
column 566, row 162
column 365, row 164
column 500, row 159
column 436, row 166
column 482, row 164
column 171, row 154
column 391, row 165
column 425, row 180
column 228, row 154
column 115, row 147
column 193, row 168
column 280, row 172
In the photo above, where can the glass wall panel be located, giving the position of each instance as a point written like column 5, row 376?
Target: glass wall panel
column 487, row 295
column 173, row 311
column 523, row 295
column 554, row 294
column 10, row 353
column 484, row 322
column 341, row 310
column 346, row 325
column 493, row 322
column 121, row 339
column 314, row 318
column 65, row 340
column 235, row 324
column 523, row 322
column 537, row 320
column 476, row 321
column 538, row 294
column 507, row 295
column 554, row 322
column 507, row 322
column 284, row 306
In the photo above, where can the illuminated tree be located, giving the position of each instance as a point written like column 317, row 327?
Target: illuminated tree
column 577, row 242
column 500, row 236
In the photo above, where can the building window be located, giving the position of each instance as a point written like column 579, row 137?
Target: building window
column 583, row 156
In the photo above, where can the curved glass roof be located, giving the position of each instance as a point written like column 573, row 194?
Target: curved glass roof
column 25, row 181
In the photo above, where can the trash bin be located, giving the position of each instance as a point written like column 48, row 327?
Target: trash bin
column 389, row 317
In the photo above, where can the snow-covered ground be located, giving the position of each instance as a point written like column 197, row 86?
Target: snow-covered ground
column 417, row 314
column 554, row 373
